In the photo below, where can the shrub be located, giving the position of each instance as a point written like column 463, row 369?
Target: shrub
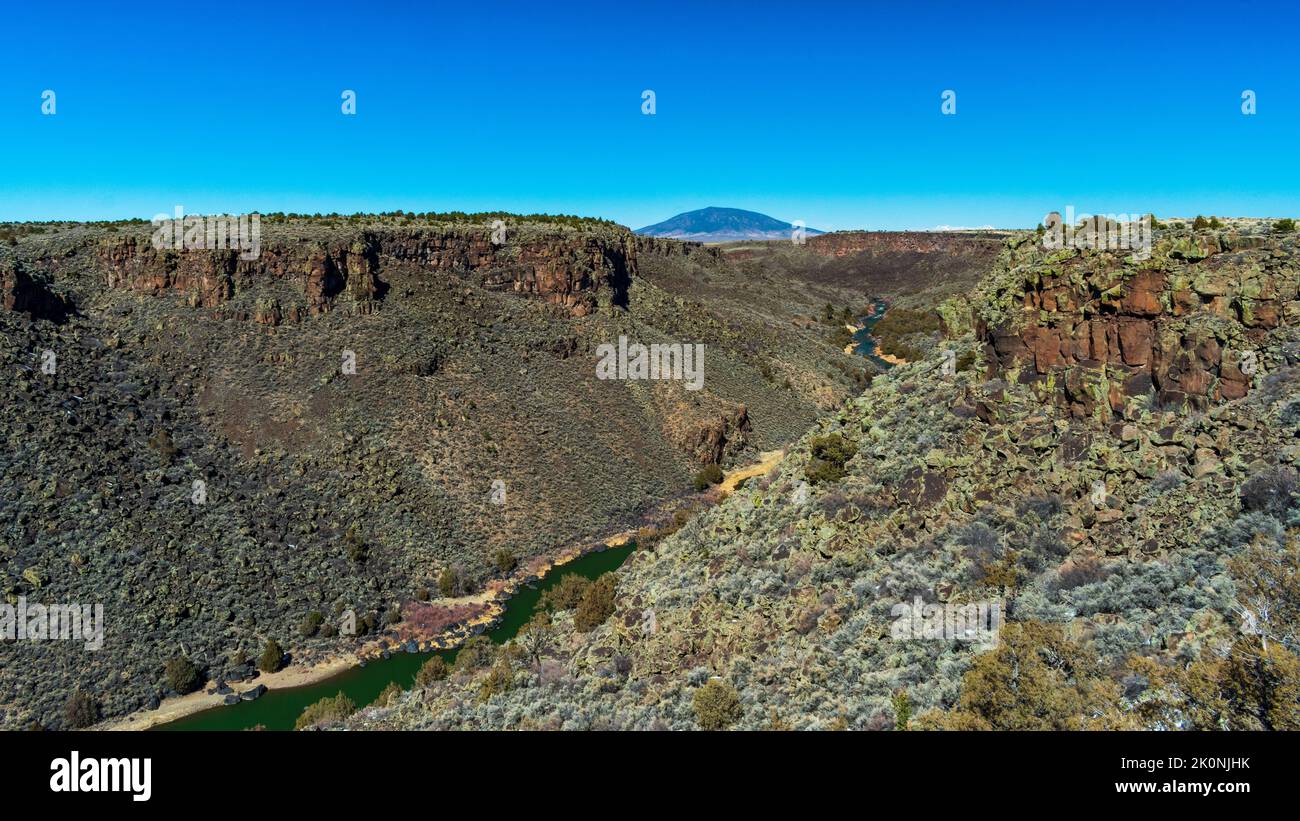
column 1271, row 491
column 596, row 605
column 1284, row 226
column 535, row 636
column 355, row 545
column 1042, row 506
column 182, row 676
column 902, row 709
column 710, row 475
column 717, row 705
column 477, row 652
column 567, row 594
column 1036, row 679
column 391, row 692
column 326, row 711
column 498, row 680
column 505, row 560
column 830, row 454
column 449, row 582
column 1077, row 574
column 311, row 624
column 272, row 657
column 80, row 711
column 161, row 441
column 435, row 669
column 1200, row 223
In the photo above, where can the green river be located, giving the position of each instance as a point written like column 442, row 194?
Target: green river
column 279, row 709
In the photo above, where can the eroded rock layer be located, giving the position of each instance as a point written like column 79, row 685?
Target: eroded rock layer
column 1099, row 329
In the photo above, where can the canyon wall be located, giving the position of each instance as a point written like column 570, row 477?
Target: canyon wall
column 1095, row 329
column 565, row 268
column 847, row 243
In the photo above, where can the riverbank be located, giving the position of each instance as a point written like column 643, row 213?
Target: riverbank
column 864, row 344
column 178, row 707
column 490, row 605
column 493, row 600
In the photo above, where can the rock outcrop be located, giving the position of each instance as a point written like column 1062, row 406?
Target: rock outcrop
column 565, row 268
column 1097, row 329
column 21, row 292
column 847, row 243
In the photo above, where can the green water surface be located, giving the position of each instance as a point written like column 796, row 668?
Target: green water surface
column 279, row 709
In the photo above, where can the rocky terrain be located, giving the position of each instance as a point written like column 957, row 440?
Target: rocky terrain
column 224, row 451
column 1086, row 449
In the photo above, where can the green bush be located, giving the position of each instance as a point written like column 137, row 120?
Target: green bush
column 272, row 657
column 710, row 475
column 902, row 709
column 567, row 593
column 326, row 711
column 182, row 676
column 449, row 582
column 1284, row 226
column 355, row 545
column 311, row 624
column 498, row 680
column 505, row 560
column 478, row 651
column 597, row 604
column 830, row 454
column 717, row 705
column 392, row 691
column 435, row 669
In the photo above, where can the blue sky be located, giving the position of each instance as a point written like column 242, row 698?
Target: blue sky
column 829, row 113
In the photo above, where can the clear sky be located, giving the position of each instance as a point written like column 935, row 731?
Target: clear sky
column 829, row 113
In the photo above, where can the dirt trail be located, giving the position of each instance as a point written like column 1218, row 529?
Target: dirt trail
column 767, row 461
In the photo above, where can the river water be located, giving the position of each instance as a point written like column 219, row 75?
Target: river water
column 864, row 344
column 279, row 709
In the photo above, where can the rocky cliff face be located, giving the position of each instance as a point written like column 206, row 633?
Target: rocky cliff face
column 675, row 248
column 565, row 268
column 1095, row 330
column 847, row 243
column 21, row 292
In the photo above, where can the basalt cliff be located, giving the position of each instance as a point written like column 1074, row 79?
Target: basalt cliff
column 570, row 269
column 1097, row 330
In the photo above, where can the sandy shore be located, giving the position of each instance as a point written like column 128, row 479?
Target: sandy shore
column 181, row 706
column 496, row 595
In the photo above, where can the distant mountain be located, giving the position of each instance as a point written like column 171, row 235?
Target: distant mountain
column 722, row 225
